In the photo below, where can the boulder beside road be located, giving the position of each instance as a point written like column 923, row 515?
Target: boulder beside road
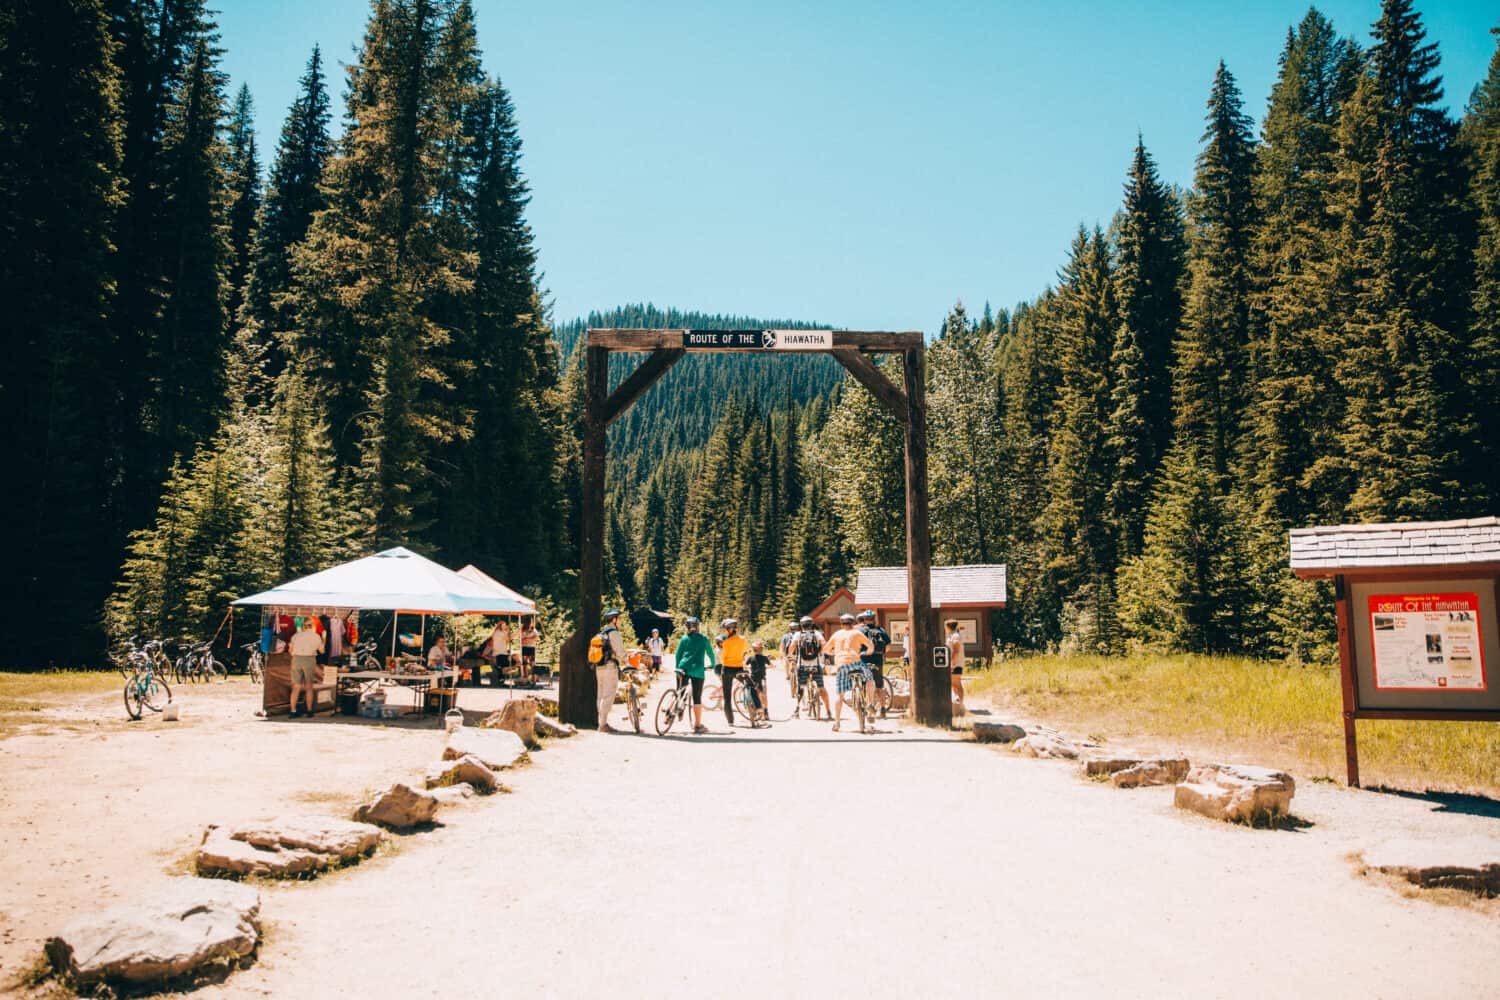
column 285, row 848
column 1237, row 793
column 399, row 807
column 496, row 748
column 994, row 731
column 467, row 770
column 1471, row 864
column 191, row 924
column 517, row 716
column 1157, row 771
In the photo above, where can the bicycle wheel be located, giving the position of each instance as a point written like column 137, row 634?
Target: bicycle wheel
column 213, row 670
column 133, row 698
column 666, row 712
column 253, row 668
column 741, row 695
column 633, row 703
column 156, row 694
column 713, row 697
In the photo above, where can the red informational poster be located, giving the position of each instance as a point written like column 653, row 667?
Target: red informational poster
column 1427, row 642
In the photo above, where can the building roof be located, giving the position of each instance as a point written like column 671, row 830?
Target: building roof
column 824, row 610
column 1327, row 550
column 885, row 586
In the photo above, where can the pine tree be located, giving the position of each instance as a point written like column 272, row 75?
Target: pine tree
column 862, row 449
column 968, row 475
column 59, row 202
column 1212, row 362
column 1186, row 590
column 1399, row 251
column 1079, row 541
column 293, row 196
column 1297, row 399
column 382, row 267
column 1148, row 270
column 187, row 356
column 242, row 176
column 1481, row 140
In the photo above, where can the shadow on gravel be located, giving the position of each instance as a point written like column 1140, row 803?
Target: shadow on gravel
column 767, row 740
column 1447, row 802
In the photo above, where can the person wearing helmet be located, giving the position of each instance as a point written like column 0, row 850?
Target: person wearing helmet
column 732, row 652
column 694, row 655
column 757, row 663
column 656, row 646
column 875, row 659
column 786, row 655
column 607, row 672
column 848, row 646
column 807, row 650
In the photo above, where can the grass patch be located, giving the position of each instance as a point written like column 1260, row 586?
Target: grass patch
column 1288, row 715
column 30, row 699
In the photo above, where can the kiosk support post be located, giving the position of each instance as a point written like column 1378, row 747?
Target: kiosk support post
column 1346, row 678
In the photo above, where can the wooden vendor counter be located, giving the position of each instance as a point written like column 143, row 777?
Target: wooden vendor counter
column 276, row 693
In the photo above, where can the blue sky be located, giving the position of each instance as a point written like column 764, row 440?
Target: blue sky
column 863, row 164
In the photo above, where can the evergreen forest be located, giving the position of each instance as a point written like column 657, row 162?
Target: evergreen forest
column 234, row 359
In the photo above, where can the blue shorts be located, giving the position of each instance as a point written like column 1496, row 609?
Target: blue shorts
column 846, row 676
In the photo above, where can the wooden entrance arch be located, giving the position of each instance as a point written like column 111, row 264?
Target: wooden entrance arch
column 931, row 688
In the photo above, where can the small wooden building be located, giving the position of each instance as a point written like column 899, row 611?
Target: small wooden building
column 1418, row 632
column 966, row 594
column 840, row 602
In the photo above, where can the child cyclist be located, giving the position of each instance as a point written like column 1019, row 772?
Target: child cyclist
column 757, row 663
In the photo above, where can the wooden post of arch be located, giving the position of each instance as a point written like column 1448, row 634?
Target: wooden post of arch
column 931, row 700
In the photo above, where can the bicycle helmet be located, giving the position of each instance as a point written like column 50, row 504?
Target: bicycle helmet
column 806, row 622
column 846, row 619
column 866, row 615
column 611, row 613
column 691, row 622
column 730, row 623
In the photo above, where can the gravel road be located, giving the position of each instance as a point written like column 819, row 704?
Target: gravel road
column 796, row 861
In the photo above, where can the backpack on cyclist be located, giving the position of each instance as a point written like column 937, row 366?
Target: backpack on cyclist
column 808, row 647
column 599, row 648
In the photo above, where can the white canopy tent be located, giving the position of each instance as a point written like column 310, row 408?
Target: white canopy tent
column 397, row 580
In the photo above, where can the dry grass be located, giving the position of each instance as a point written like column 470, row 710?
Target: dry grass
column 1288, row 715
column 30, row 699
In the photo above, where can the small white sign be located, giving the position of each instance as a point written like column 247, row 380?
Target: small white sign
column 797, row 340
column 940, row 657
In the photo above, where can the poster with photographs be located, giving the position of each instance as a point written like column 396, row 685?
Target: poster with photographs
column 1427, row 642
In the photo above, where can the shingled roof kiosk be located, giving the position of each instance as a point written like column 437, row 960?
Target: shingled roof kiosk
column 665, row 348
column 1418, row 635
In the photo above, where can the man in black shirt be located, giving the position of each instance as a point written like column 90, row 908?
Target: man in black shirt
column 875, row 658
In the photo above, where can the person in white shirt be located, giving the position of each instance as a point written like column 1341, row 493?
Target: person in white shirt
column 656, row 647
column 500, row 649
column 847, row 646
column 955, row 643
column 305, row 647
column 438, row 656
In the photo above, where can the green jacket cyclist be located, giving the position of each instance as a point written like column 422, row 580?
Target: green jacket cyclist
column 694, row 656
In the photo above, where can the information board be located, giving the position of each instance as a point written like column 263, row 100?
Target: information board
column 1426, row 642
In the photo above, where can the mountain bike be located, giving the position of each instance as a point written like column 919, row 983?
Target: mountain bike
column 856, row 697
column 674, row 704
column 200, row 664
column 636, row 679
column 145, row 689
column 810, row 694
column 897, row 685
column 744, row 704
column 364, row 657
column 255, row 665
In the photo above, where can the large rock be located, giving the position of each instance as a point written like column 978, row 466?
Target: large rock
column 399, row 807
column 190, row 926
column 1468, row 863
column 285, row 848
column 497, row 748
column 1158, row 771
column 548, row 726
column 468, row 770
column 519, row 717
column 1237, row 792
column 1049, row 744
column 1103, row 767
column 994, row 731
